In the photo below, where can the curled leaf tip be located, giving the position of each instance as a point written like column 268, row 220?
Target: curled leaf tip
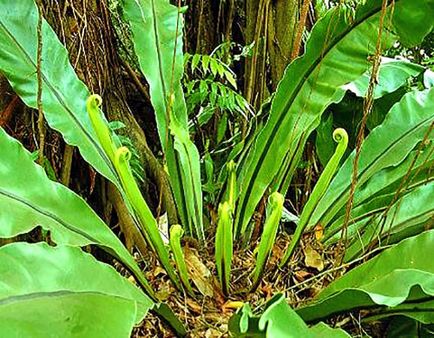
column 276, row 199
column 94, row 101
column 176, row 231
column 231, row 166
column 340, row 135
column 123, row 153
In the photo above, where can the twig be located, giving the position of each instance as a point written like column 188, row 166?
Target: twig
column 65, row 174
column 136, row 79
column 41, row 129
column 368, row 104
column 300, row 28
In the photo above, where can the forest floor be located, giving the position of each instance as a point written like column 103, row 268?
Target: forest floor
column 207, row 315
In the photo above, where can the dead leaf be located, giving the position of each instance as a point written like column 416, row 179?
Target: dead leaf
column 194, row 307
column 163, row 226
column 213, row 333
column 158, row 270
column 199, row 273
column 164, row 291
column 302, row 275
column 312, row 258
column 319, row 232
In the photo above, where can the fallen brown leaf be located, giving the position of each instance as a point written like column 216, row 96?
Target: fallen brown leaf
column 199, row 273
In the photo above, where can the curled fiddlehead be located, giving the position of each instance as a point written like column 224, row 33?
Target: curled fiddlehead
column 120, row 159
column 100, row 126
column 176, row 233
column 275, row 204
column 341, row 137
column 224, row 245
column 147, row 220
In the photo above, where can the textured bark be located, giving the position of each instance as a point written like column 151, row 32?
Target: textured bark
column 281, row 37
column 204, row 20
column 271, row 26
column 86, row 30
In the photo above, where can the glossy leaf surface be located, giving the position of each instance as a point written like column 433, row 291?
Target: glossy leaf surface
column 402, row 273
column 410, row 120
column 336, row 54
column 157, row 36
column 278, row 321
column 37, row 201
column 64, row 292
column 63, row 94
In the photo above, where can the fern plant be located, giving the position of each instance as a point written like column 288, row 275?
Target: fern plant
column 394, row 168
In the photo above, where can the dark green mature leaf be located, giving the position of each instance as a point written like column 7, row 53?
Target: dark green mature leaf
column 157, row 36
column 414, row 209
column 278, row 321
column 324, row 143
column 156, row 27
column 32, row 200
column 402, row 273
column 336, row 54
column 63, row 94
column 387, row 146
column 421, row 309
column 374, row 197
column 64, row 292
column 401, row 326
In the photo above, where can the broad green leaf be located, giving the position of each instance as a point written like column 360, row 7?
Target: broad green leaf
column 63, row 94
column 156, row 28
column 64, row 292
column 393, row 74
column 378, row 193
column 418, row 12
column 336, row 54
column 324, row 144
column 428, row 78
column 387, row 146
column 402, row 273
column 382, row 106
column 157, row 36
column 421, row 310
column 278, row 321
column 34, row 200
column 415, row 208
column 322, row 330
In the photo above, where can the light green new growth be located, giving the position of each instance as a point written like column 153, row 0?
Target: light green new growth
column 232, row 184
column 275, row 202
column 224, row 245
column 100, row 126
column 120, row 159
column 341, row 137
column 176, row 233
column 147, row 220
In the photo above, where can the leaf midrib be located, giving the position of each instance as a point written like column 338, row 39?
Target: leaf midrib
column 394, row 144
column 59, row 293
column 296, row 91
column 49, row 215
